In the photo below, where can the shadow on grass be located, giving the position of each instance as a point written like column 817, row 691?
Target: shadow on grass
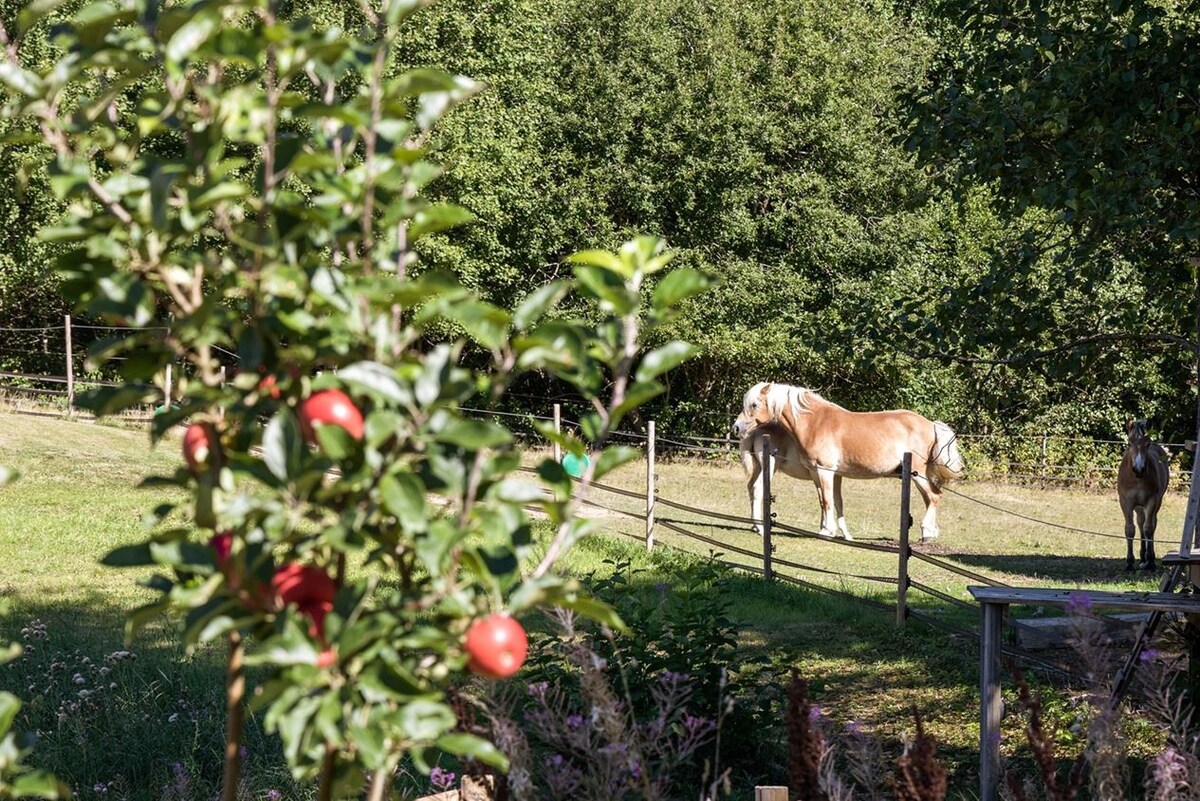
column 1068, row 570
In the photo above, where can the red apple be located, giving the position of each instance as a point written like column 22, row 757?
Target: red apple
column 329, row 407
column 311, row 589
column 222, row 545
column 496, row 645
column 200, row 442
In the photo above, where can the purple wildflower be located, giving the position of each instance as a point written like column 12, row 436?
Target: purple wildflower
column 274, row 795
column 814, row 714
column 1078, row 603
column 562, row 777
column 574, row 721
column 1148, row 655
column 441, row 780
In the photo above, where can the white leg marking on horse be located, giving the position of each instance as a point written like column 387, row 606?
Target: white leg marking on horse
column 842, row 527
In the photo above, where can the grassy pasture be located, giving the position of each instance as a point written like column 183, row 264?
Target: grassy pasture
column 158, row 730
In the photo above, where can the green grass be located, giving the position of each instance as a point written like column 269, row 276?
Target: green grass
column 77, row 499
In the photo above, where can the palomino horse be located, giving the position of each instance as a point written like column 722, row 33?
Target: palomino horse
column 1141, row 483
column 834, row 442
column 787, row 458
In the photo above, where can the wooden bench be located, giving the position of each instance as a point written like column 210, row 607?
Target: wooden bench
column 994, row 601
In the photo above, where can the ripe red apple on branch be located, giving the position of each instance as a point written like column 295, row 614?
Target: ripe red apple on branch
column 200, row 443
column 496, row 645
column 329, row 407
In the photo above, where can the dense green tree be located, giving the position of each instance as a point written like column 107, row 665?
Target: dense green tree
column 762, row 141
column 1088, row 110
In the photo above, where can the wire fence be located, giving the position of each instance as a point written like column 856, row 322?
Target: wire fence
column 50, row 363
column 715, row 533
column 691, row 528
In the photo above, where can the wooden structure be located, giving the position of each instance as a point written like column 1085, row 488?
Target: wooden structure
column 995, row 601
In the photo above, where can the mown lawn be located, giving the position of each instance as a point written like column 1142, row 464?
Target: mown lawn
column 158, row 729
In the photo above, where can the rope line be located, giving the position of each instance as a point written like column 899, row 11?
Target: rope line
column 711, row 541
column 707, row 512
column 811, row 569
column 953, row 568
column 950, row 599
column 836, row 593
column 865, row 546
column 1031, row 519
column 718, row 526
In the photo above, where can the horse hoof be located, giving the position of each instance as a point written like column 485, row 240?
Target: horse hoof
column 927, row 537
column 1128, row 566
column 825, row 534
column 846, row 536
column 1146, row 565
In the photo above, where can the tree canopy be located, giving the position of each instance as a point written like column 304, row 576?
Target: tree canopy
column 920, row 206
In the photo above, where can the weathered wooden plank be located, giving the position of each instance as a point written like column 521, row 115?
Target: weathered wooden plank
column 989, row 701
column 1132, row 601
column 1177, row 558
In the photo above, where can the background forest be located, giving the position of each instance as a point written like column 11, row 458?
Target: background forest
column 771, row 144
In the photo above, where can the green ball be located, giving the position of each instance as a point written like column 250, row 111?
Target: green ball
column 576, row 465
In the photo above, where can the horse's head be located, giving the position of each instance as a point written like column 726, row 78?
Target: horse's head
column 1139, row 445
column 755, row 410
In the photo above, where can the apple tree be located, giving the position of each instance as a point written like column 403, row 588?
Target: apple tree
column 246, row 192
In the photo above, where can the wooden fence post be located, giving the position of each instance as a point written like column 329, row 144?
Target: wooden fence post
column 650, row 490
column 555, row 448
column 768, row 467
column 70, row 367
column 770, row 794
column 167, row 387
column 905, row 525
column 1044, row 439
column 989, row 701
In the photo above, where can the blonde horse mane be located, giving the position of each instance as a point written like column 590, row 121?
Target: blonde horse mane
column 780, row 397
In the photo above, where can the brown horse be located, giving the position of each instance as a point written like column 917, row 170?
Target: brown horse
column 787, row 459
column 1141, row 483
column 835, row 442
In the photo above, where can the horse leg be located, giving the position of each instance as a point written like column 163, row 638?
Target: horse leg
column 1147, row 520
column 837, row 503
column 824, row 478
column 1127, row 510
column 932, row 496
column 755, row 487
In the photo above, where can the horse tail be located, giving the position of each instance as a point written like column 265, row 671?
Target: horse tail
column 946, row 462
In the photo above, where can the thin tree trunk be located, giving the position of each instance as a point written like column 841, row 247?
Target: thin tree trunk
column 325, row 793
column 236, row 693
